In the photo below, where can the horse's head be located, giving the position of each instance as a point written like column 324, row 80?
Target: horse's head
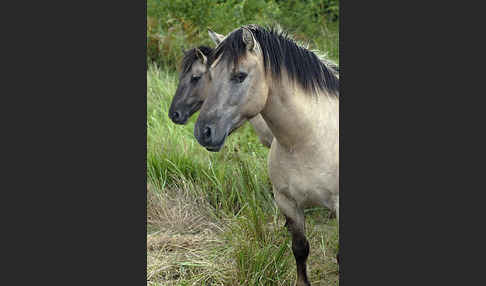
column 188, row 97
column 235, row 88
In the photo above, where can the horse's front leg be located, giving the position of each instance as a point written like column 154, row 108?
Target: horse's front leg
column 300, row 246
column 336, row 209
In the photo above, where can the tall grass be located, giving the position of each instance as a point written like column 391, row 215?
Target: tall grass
column 212, row 218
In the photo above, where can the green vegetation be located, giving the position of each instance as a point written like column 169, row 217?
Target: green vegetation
column 211, row 218
column 176, row 24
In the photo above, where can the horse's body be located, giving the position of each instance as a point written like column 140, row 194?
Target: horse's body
column 188, row 98
column 304, row 160
column 256, row 71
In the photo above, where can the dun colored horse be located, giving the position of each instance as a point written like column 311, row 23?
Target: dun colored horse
column 189, row 98
column 259, row 71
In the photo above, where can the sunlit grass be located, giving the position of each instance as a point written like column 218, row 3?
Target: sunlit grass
column 211, row 216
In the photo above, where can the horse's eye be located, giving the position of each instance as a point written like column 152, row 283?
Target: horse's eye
column 239, row 77
column 195, row 78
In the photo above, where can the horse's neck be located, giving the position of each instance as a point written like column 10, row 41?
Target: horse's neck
column 262, row 130
column 301, row 121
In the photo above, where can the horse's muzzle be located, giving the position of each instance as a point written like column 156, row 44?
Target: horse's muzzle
column 178, row 117
column 207, row 136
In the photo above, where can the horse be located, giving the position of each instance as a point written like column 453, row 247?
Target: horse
column 257, row 70
column 188, row 97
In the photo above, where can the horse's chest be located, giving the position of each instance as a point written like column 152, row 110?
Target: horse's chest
column 308, row 182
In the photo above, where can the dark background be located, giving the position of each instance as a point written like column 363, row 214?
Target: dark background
column 74, row 155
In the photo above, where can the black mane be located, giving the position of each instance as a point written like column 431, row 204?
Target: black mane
column 279, row 51
column 190, row 57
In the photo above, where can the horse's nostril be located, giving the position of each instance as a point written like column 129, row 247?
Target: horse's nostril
column 175, row 115
column 207, row 132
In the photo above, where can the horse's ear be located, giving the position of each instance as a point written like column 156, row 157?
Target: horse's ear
column 248, row 39
column 201, row 56
column 217, row 38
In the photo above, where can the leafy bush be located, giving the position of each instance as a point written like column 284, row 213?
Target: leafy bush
column 173, row 25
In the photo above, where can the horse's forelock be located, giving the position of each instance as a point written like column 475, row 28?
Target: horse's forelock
column 279, row 51
column 190, row 57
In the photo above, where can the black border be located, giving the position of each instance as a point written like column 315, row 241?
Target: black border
column 405, row 112
column 79, row 146
column 341, row 188
column 79, row 206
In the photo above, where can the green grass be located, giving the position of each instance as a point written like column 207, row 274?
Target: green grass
column 211, row 216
